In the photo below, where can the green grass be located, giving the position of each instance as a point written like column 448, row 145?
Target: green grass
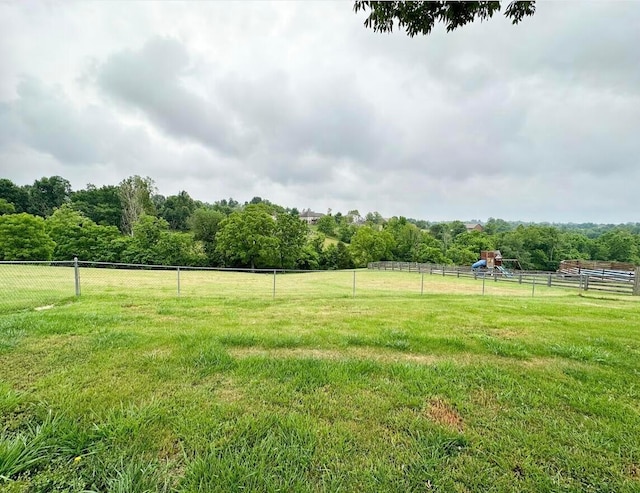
column 131, row 388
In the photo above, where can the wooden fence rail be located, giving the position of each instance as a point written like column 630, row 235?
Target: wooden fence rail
column 586, row 280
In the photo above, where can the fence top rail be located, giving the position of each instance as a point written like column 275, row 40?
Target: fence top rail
column 202, row 268
column 36, row 262
column 124, row 265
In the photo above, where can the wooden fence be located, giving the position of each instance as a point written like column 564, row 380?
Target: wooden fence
column 587, row 281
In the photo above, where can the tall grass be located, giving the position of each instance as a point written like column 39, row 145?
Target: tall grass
column 390, row 391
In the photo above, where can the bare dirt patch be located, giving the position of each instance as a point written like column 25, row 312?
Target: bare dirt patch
column 44, row 307
column 444, row 414
column 337, row 354
column 381, row 356
column 228, row 392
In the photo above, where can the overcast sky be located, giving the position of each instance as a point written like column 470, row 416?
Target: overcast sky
column 298, row 103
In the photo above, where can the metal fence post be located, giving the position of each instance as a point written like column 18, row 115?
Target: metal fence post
column 274, row 284
column 178, row 281
column 354, row 283
column 533, row 287
column 484, row 276
column 76, row 271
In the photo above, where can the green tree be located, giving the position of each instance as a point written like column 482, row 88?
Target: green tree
column 146, row 234
column 135, row 196
column 176, row 210
column 406, row 238
column 374, row 218
column 346, row 231
column 618, row 245
column 438, row 230
column 511, row 245
column 102, row 205
column 6, row 207
column 369, row 245
column 329, row 257
column 428, row 250
column 246, row 238
column 353, row 216
column 23, row 237
column 337, row 256
column 291, row 234
column 204, row 224
column 175, row 248
column 461, row 256
column 327, row 225
column 535, row 246
column 343, row 257
column 226, row 206
column 13, row 194
column 110, row 244
column 75, row 235
column 420, row 223
column 420, row 17
column 71, row 232
column 426, row 253
column 309, row 258
column 457, row 228
column 574, row 245
column 495, row 226
column 47, row 194
column 475, row 241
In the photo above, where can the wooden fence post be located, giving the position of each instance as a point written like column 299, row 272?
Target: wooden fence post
column 636, row 282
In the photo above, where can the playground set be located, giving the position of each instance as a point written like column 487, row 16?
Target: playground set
column 492, row 262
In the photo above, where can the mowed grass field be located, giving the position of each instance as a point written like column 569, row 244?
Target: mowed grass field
column 132, row 388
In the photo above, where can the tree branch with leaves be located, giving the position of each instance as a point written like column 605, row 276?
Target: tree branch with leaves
column 421, row 17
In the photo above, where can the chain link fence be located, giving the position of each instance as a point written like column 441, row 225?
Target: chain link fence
column 29, row 285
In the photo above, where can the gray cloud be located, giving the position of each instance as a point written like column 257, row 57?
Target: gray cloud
column 270, row 113
column 152, row 81
column 300, row 104
column 43, row 118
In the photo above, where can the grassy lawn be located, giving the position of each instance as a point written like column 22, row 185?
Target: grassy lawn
column 225, row 388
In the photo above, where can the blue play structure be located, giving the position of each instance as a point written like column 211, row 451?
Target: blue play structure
column 491, row 261
column 479, row 263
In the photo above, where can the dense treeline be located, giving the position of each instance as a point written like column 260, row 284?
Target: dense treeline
column 130, row 222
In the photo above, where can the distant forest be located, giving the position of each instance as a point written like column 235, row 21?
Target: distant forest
column 130, row 222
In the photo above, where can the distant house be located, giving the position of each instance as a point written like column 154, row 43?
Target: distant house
column 309, row 216
column 474, row 227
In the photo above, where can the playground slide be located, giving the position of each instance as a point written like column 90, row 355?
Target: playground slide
column 504, row 271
